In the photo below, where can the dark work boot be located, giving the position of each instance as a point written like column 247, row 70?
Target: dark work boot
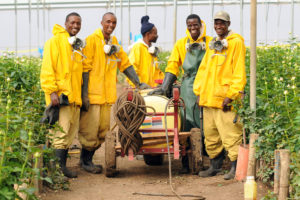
column 185, row 169
column 215, row 166
column 86, row 162
column 62, row 154
column 231, row 173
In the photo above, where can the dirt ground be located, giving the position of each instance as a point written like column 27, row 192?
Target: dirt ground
column 137, row 177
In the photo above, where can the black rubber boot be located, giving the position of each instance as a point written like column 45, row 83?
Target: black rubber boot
column 215, row 166
column 185, row 169
column 231, row 173
column 86, row 162
column 62, row 154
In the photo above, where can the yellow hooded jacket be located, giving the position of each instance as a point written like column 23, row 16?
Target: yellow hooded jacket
column 179, row 50
column 103, row 76
column 218, row 76
column 145, row 64
column 61, row 68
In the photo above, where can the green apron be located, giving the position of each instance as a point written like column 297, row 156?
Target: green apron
column 190, row 66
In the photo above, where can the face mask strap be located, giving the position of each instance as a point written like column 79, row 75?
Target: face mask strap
column 216, row 54
column 80, row 53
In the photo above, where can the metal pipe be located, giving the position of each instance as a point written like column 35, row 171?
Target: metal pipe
column 29, row 19
column 189, row 6
column 44, row 22
column 212, row 15
column 266, row 21
column 129, row 22
column 16, row 28
column 175, row 21
column 146, row 7
column 253, row 55
column 242, row 17
column 115, row 6
column 103, row 4
column 121, row 10
column 292, row 21
column 38, row 22
column 278, row 19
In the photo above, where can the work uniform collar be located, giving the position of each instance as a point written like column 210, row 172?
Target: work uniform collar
column 230, row 32
column 143, row 42
column 58, row 29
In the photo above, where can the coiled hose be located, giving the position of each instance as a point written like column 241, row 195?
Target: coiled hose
column 129, row 116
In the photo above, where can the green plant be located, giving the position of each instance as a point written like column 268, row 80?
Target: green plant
column 21, row 107
column 276, row 118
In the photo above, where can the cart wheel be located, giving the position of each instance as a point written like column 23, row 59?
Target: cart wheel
column 154, row 160
column 110, row 154
column 196, row 155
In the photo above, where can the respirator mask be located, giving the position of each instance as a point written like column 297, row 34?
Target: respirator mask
column 219, row 46
column 154, row 51
column 111, row 49
column 195, row 46
column 77, row 45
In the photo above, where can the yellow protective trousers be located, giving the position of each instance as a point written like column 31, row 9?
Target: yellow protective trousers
column 69, row 122
column 94, row 125
column 220, row 132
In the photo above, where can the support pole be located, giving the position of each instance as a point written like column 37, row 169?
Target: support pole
column 278, row 18
column 276, row 171
column 16, row 28
column 129, row 23
column 252, row 160
column 212, row 15
column 29, row 19
column 292, row 21
column 38, row 22
column 242, row 17
column 175, row 21
column 44, row 22
column 38, row 183
column 284, row 174
column 121, row 10
column 253, row 56
column 266, row 21
column 146, row 7
column 114, row 6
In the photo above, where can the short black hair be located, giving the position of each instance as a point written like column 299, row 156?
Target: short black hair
column 109, row 13
column 193, row 16
column 72, row 14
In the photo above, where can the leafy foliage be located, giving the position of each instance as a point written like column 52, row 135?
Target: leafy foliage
column 276, row 118
column 21, row 107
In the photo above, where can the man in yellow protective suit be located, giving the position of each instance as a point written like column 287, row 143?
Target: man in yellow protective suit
column 221, row 79
column 187, row 55
column 143, row 55
column 104, row 56
column 61, row 77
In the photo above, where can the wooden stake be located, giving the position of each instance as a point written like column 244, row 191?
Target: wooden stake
column 276, row 171
column 38, row 183
column 252, row 160
column 284, row 174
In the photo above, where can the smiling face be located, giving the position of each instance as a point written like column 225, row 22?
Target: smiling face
column 109, row 23
column 221, row 27
column 194, row 26
column 73, row 25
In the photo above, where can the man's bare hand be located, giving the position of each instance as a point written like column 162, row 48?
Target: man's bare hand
column 54, row 99
column 198, row 99
column 225, row 105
